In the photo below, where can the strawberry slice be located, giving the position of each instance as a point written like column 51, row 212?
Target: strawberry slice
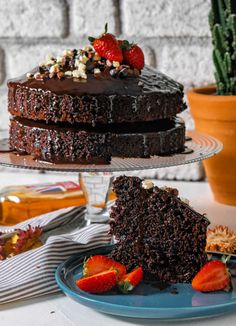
column 133, row 55
column 129, row 281
column 98, row 283
column 107, row 46
column 213, row 276
column 99, row 263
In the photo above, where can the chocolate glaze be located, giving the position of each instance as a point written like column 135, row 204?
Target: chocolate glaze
column 187, row 150
column 104, row 83
column 99, row 99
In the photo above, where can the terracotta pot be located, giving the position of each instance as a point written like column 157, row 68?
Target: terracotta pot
column 216, row 115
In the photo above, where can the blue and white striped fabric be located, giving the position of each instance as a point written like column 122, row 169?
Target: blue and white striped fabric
column 31, row 274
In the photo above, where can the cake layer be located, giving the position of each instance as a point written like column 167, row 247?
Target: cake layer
column 84, row 144
column 99, row 99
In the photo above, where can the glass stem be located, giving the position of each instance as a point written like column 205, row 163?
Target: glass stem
column 97, row 188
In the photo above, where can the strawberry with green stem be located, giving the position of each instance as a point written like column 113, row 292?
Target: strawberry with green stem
column 129, row 281
column 132, row 54
column 107, row 46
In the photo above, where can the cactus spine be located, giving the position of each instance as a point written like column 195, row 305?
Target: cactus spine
column 222, row 19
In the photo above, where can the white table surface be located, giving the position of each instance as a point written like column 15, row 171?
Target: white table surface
column 58, row 310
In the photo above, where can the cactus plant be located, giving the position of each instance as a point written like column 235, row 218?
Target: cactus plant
column 222, row 19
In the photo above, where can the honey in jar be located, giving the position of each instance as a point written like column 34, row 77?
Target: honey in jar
column 19, row 203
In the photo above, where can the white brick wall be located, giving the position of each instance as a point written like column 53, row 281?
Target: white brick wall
column 165, row 17
column 187, row 63
column 4, row 117
column 1, row 66
column 173, row 34
column 89, row 17
column 32, row 18
column 23, row 57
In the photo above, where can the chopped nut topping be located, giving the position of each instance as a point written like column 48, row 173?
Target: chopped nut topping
column 77, row 63
column 81, row 67
column 61, row 60
column 55, row 68
column 29, row 75
column 83, row 59
column 109, row 63
column 97, row 71
column 79, row 74
column 147, row 184
column 60, row 74
column 38, row 76
column 68, row 53
column 52, row 74
column 96, row 57
column 68, row 73
column 116, row 64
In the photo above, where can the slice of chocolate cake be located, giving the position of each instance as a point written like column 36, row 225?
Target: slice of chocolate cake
column 155, row 229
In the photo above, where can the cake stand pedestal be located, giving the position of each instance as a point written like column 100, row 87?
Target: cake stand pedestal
column 96, row 180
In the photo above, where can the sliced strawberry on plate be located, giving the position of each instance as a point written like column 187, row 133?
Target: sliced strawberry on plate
column 213, row 276
column 129, row 281
column 98, row 283
column 99, row 263
column 107, row 46
column 133, row 55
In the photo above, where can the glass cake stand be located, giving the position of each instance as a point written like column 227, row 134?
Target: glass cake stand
column 96, row 180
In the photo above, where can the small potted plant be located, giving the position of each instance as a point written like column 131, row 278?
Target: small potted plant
column 214, row 107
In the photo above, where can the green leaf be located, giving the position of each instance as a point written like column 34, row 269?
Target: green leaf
column 91, row 39
column 125, row 286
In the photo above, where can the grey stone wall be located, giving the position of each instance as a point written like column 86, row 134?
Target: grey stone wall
column 174, row 35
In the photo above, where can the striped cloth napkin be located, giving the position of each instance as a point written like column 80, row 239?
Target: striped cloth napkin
column 32, row 274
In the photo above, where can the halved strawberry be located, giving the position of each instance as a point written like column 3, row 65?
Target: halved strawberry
column 98, row 283
column 99, row 263
column 213, row 276
column 107, row 46
column 133, row 55
column 129, row 281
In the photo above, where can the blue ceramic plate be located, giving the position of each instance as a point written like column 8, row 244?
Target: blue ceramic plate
column 146, row 301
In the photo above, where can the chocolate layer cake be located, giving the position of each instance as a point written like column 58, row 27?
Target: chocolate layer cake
column 82, row 108
column 81, row 144
column 155, row 229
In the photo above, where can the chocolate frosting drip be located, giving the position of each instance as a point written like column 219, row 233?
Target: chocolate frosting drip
column 99, row 99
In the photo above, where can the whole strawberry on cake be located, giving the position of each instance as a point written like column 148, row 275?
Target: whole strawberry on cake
column 92, row 104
